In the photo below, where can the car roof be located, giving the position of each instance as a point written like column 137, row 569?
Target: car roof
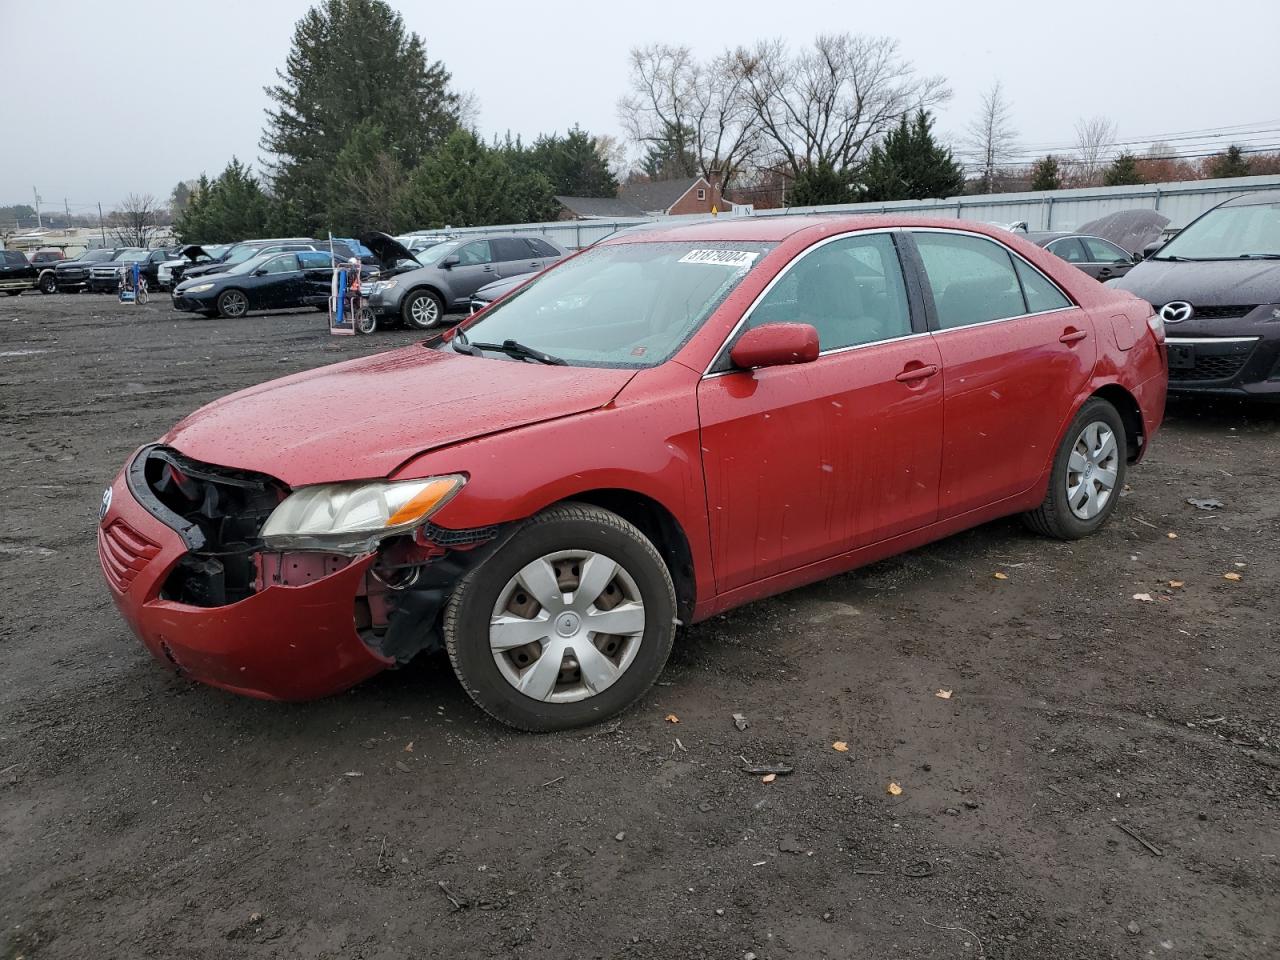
column 776, row 229
column 1254, row 199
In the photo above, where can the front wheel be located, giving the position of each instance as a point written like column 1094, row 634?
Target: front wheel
column 48, row 284
column 422, row 309
column 232, row 303
column 569, row 623
column 1087, row 477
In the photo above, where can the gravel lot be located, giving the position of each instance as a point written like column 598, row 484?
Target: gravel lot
column 141, row 815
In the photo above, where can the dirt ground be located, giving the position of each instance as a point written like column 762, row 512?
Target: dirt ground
column 144, row 816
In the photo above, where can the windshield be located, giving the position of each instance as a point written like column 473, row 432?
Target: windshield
column 96, row 256
column 437, row 252
column 1227, row 233
column 132, row 256
column 241, row 252
column 621, row 305
column 216, row 250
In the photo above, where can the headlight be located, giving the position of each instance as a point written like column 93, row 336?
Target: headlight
column 382, row 285
column 353, row 517
column 198, row 288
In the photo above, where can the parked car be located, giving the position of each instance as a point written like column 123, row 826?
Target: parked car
column 248, row 249
column 418, row 242
column 451, row 272
column 1216, row 284
column 184, row 257
column 48, row 257
column 656, row 430
column 270, row 281
column 105, row 277
column 16, row 272
column 72, row 276
column 1099, row 258
column 496, row 291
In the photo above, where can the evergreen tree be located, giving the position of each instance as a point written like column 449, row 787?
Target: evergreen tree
column 820, row 184
column 351, row 61
column 1230, row 164
column 574, row 165
column 365, row 184
column 911, row 165
column 672, row 156
column 466, row 183
column 1046, row 174
column 230, row 208
column 1123, row 170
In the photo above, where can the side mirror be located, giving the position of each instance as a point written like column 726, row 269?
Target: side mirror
column 450, row 261
column 775, row 345
column 260, row 272
column 1147, row 251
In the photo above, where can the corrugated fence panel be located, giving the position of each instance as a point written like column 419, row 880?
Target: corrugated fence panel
column 1052, row 210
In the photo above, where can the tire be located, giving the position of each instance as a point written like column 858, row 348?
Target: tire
column 624, row 665
column 422, row 309
column 48, row 285
column 1094, row 451
column 366, row 322
column 232, row 304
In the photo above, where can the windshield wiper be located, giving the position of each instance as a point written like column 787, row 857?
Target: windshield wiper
column 1260, row 256
column 512, row 348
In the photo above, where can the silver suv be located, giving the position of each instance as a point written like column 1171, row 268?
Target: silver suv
column 451, row 272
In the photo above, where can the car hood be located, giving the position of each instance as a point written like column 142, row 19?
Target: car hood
column 387, row 249
column 500, row 288
column 363, row 418
column 1212, row 283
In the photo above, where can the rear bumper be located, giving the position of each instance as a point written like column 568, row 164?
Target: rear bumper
column 282, row 643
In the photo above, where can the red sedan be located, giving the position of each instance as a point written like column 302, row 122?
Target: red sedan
column 660, row 428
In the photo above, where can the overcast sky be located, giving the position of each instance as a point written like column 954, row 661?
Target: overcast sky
column 105, row 99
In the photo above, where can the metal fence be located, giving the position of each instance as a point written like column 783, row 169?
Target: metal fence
column 1181, row 202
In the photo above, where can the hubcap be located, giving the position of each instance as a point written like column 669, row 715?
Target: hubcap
column 567, row 626
column 1092, row 470
column 424, row 311
column 234, row 304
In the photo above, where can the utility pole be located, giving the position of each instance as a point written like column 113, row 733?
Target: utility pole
column 101, row 225
column 35, row 193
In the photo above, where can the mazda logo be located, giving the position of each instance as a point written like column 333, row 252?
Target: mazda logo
column 1176, row 311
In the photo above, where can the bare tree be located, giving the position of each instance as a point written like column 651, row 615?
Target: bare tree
column 992, row 139
column 692, row 109
column 468, row 109
column 1094, row 139
column 613, row 151
column 824, row 106
column 136, row 223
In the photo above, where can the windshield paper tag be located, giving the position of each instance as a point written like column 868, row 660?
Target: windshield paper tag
column 721, row 258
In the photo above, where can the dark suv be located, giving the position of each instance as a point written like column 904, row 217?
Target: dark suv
column 72, row 276
column 105, row 277
column 1216, row 285
column 16, row 272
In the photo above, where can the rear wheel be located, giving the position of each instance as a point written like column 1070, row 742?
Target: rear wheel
column 1087, row 477
column 48, row 284
column 568, row 624
column 232, row 303
column 422, row 309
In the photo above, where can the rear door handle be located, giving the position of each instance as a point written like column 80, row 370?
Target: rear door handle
column 919, row 372
column 1072, row 335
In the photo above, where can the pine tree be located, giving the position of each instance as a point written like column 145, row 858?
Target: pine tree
column 1229, row 164
column 229, row 208
column 1123, row 171
column 1046, row 174
column 466, row 183
column 821, row 184
column 574, row 165
column 365, row 184
column 351, row 61
column 911, row 165
column 672, row 156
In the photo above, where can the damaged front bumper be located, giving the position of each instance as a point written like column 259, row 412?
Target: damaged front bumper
column 204, row 596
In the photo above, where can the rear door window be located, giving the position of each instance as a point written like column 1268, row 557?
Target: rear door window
column 1100, row 251
column 541, row 248
column 314, row 260
column 972, row 279
column 476, row 252
column 1070, row 250
column 509, row 248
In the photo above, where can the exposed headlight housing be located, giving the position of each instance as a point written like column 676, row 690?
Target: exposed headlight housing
column 198, row 288
column 354, row 517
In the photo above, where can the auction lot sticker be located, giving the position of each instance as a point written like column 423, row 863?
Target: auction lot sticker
column 721, row 258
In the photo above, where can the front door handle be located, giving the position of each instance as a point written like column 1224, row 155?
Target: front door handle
column 488, row 269
column 916, row 371
column 1072, row 335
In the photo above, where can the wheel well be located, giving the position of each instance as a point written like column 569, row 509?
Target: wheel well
column 425, row 288
column 1130, row 414
column 657, row 523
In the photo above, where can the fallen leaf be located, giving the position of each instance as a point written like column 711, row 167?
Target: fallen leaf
column 1175, row 584
column 943, row 694
column 840, row 746
column 1231, row 576
column 672, row 718
column 769, row 778
column 1001, row 576
column 894, row 789
column 408, row 747
column 1171, row 535
column 1144, row 597
column 740, row 721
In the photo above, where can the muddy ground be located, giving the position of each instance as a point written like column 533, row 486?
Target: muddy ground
column 143, row 816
